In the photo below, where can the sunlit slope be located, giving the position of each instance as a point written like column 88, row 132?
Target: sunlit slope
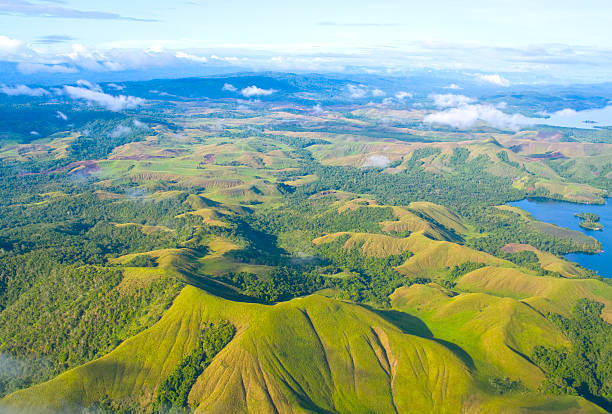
column 288, row 357
column 136, row 368
column 439, row 214
column 298, row 359
column 498, row 333
column 308, row 355
column 430, row 256
column 408, row 221
column 548, row 261
column 546, row 294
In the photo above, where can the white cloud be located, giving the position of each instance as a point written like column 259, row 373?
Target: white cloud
column 566, row 112
column 62, row 115
column 120, row 131
column 11, row 367
column 10, row 46
column 466, row 116
column 230, row 59
column 113, row 103
column 229, row 87
column 100, row 62
column 194, row 58
column 87, row 84
column 116, row 87
column 253, row 90
column 22, row 90
column 453, row 86
column 35, row 133
column 449, row 100
column 401, row 95
column 357, row 92
column 495, row 79
column 317, row 110
column 376, row 161
column 377, row 92
column 139, row 124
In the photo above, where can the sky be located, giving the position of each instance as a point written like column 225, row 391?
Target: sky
column 553, row 39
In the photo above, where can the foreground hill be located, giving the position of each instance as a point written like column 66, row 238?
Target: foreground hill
column 288, row 357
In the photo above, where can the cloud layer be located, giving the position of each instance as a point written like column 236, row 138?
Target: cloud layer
column 525, row 64
column 54, row 39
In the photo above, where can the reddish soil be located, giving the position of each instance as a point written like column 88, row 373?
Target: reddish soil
column 138, row 157
column 88, row 167
column 516, row 247
column 323, row 193
column 209, row 159
column 549, row 135
column 556, row 155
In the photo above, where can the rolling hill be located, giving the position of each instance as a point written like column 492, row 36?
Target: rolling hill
column 288, row 357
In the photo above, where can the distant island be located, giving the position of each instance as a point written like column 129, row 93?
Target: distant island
column 589, row 221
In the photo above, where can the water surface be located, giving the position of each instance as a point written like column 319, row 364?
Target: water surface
column 587, row 119
column 562, row 214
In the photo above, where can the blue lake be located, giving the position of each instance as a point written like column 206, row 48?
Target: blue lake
column 587, row 119
column 562, row 214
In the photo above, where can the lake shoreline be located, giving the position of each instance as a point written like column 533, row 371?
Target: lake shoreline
column 562, row 214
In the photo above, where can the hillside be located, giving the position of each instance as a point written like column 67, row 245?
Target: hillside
column 498, row 333
column 429, row 256
column 546, row 294
column 366, row 367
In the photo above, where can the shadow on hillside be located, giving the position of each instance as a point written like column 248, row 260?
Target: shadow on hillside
column 410, row 324
column 458, row 351
column 407, row 323
column 218, row 288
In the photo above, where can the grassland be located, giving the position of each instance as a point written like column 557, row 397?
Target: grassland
column 361, row 368
column 430, row 257
column 547, row 294
column 497, row 333
column 548, row 261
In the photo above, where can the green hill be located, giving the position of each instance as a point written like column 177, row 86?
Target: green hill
column 498, row 333
column 288, row 357
column 546, row 294
column 429, row 256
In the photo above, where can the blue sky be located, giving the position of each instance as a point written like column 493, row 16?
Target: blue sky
column 561, row 38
